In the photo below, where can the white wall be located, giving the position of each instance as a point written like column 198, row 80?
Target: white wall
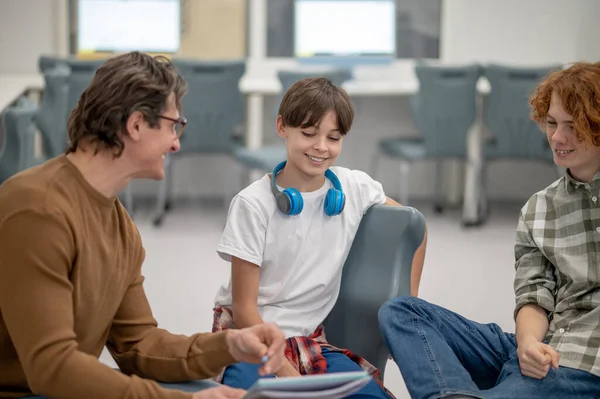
column 26, row 31
column 516, row 31
column 510, row 31
column 588, row 47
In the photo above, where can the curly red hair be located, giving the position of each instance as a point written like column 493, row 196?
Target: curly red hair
column 578, row 88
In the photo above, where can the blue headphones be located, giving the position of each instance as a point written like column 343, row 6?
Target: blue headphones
column 290, row 200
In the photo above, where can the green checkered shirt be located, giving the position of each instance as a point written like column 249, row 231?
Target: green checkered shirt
column 557, row 255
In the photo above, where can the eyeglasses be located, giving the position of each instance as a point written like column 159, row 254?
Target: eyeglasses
column 179, row 124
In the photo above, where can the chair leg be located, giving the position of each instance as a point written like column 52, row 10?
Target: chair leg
column 404, row 176
column 438, row 201
column 169, row 181
column 483, row 199
column 161, row 198
column 480, row 195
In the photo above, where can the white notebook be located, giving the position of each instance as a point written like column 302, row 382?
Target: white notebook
column 323, row 386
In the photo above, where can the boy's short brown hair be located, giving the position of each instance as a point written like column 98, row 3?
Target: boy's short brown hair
column 578, row 88
column 307, row 101
column 122, row 85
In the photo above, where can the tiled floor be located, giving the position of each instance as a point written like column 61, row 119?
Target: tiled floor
column 467, row 270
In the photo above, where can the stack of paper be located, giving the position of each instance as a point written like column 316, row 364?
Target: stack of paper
column 322, row 386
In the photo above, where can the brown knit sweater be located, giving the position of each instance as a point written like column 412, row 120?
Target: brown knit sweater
column 71, row 283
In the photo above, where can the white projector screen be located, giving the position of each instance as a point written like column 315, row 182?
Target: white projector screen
column 127, row 25
column 344, row 28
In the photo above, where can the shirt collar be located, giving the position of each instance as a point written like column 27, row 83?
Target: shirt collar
column 571, row 184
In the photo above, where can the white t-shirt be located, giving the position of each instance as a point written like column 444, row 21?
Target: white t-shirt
column 301, row 257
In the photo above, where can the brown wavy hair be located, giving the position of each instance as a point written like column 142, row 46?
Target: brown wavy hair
column 124, row 84
column 578, row 88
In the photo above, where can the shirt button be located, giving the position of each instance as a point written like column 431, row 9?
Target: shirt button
column 594, row 198
column 598, row 229
column 562, row 330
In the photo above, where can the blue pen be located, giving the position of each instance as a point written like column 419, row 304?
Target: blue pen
column 264, row 359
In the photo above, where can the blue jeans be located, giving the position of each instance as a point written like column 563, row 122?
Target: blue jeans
column 192, row 386
column 243, row 375
column 441, row 353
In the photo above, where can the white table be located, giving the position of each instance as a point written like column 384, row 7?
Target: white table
column 256, row 87
column 13, row 85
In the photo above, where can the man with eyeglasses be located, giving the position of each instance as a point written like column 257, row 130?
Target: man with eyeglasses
column 71, row 257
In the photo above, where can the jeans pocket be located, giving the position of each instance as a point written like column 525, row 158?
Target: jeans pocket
column 503, row 356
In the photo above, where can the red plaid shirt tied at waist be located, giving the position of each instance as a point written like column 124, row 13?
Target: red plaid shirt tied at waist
column 303, row 352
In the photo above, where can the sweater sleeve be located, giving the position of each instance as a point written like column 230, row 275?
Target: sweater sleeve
column 36, row 253
column 140, row 347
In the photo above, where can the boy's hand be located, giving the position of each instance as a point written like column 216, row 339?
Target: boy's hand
column 535, row 359
column 252, row 344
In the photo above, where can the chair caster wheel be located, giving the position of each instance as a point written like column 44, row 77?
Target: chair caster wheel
column 157, row 222
column 474, row 223
column 438, row 208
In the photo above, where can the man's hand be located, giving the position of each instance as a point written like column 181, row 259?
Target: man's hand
column 222, row 392
column 535, row 358
column 251, row 344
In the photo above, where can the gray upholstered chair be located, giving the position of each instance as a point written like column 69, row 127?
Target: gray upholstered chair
column 378, row 268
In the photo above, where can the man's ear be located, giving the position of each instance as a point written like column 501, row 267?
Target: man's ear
column 134, row 125
column 281, row 130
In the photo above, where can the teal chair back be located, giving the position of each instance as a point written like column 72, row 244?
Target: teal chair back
column 47, row 62
column 378, row 268
column 506, row 113
column 18, row 138
column 51, row 116
column 213, row 106
column 234, row 68
column 444, row 108
column 81, row 74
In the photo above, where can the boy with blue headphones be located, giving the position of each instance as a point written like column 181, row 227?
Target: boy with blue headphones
column 288, row 234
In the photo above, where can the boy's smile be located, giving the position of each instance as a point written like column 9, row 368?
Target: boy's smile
column 317, row 161
column 581, row 158
column 310, row 152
